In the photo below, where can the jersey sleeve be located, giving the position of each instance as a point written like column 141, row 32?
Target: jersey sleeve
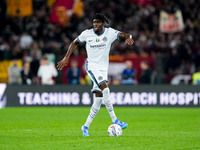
column 82, row 37
column 115, row 34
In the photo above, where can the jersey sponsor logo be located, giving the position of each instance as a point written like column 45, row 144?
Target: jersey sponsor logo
column 97, row 40
column 90, row 41
column 97, row 46
column 105, row 39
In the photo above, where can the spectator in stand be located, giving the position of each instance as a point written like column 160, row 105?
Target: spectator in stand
column 17, row 52
column 145, row 77
column 47, row 72
column 26, row 74
column 26, row 40
column 128, row 75
column 5, row 51
column 159, row 77
column 174, row 61
column 141, row 21
column 35, row 51
column 196, row 77
column 14, row 73
column 74, row 73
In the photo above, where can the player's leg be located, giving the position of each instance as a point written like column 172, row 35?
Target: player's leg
column 95, row 106
column 109, row 106
column 107, row 100
column 93, row 112
column 94, row 109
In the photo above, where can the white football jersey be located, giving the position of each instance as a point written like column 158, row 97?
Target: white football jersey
column 98, row 47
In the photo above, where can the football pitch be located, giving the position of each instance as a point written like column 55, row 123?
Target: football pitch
column 59, row 128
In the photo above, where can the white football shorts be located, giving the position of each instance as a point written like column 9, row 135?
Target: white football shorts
column 97, row 77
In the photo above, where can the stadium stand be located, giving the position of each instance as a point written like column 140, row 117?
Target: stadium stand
column 142, row 21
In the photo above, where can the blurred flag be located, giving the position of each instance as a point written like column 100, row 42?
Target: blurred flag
column 144, row 2
column 50, row 3
column 78, row 8
column 19, row 8
column 64, row 9
column 169, row 23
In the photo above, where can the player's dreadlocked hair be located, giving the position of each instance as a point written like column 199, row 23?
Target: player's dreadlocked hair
column 100, row 17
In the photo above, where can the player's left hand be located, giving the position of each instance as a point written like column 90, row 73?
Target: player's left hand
column 129, row 41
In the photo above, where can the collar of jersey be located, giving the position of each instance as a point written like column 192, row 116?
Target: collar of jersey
column 101, row 33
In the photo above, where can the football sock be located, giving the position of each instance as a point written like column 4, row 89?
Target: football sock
column 94, row 110
column 108, row 104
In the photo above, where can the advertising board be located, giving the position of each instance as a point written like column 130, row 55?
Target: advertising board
column 121, row 95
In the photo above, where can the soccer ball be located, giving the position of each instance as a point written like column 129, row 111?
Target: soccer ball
column 114, row 130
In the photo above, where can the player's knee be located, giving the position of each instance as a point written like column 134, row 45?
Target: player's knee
column 103, row 85
column 107, row 102
column 97, row 103
column 106, row 94
column 97, row 94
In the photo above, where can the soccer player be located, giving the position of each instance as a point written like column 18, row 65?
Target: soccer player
column 98, row 43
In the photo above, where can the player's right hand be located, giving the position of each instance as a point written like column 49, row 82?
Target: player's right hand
column 62, row 63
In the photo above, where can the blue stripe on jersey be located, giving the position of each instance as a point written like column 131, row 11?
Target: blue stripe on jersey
column 92, row 75
column 118, row 36
column 79, row 40
column 101, row 33
column 86, row 65
column 103, row 81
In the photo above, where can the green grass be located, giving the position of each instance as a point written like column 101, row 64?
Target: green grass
column 59, row 128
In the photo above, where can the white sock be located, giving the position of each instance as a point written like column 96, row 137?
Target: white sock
column 94, row 110
column 108, row 104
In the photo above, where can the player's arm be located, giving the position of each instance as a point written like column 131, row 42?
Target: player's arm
column 127, row 37
column 65, row 60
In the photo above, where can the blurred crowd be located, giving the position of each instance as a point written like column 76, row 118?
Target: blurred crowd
column 31, row 38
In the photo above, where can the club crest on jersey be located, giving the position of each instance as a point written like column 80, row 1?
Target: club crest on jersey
column 104, row 39
column 100, row 78
column 97, row 40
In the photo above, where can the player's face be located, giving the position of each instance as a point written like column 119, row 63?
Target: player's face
column 98, row 26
